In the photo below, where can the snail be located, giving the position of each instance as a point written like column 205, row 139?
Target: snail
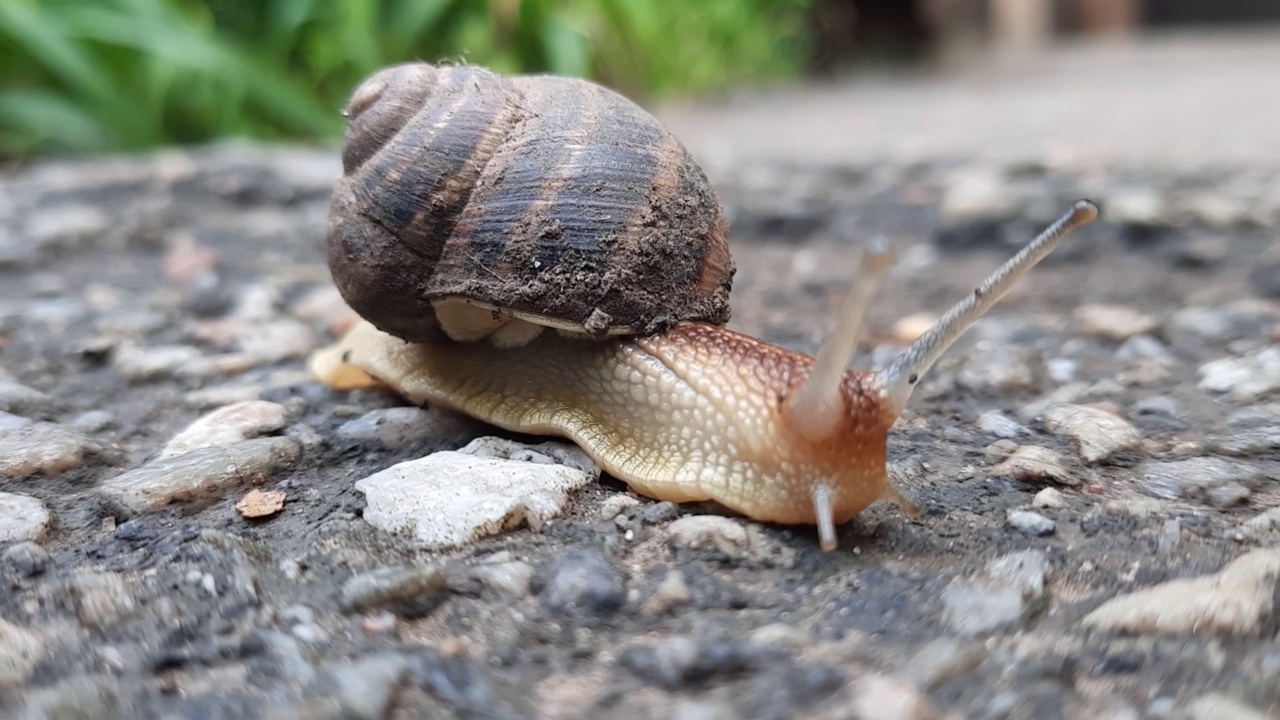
column 541, row 254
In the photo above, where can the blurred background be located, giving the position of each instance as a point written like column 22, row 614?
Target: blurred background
column 111, row 75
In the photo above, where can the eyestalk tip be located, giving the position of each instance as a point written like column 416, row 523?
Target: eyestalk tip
column 1083, row 212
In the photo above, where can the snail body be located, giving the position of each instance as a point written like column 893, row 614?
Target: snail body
column 647, row 380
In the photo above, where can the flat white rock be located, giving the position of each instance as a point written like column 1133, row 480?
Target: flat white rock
column 1234, row 601
column 22, row 517
column 449, row 499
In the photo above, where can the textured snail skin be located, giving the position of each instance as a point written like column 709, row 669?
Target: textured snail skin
column 693, row 414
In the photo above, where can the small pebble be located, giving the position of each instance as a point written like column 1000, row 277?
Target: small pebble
column 943, row 659
column 26, row 558
column 1113, row 322
column 1098, row 433
column 1170, row 536
column 617, row 504
column 141, row 364
column 1260, row 524
column 485, row 495
column 999, row 369
column 1024, row 570
column 512, row 578
column 21, row 400
column 659, row 512
column 198, row 473
column 889, row 698
column 22, row 517
column 392, row 427
column 977, row 193
column 731, row 540
column 1243, row 378
column 310, row 633
column 101, row 600
column 583, row 581
column 546, row 453
column 93, row 421
column 671, row 592
column 366, row 687
column 1248, row 442
column 1031, row 463
column 227, row 426
column 909, row 329
column 259, row 503
column 1236, row 600
column 1204, row 323
column 781, row 635
column 977, row 610
column 1196, row 476
column 409, row 592
column 1049, row 498
column 1143, row 347
column 994, row 422
column 44, row 448
column 20, row 650
column 1031, row 523
column 1136, row 206
column 1226, row 495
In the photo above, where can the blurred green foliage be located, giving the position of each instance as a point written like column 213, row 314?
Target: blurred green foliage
column 87, row 75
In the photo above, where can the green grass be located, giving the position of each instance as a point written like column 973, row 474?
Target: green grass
column 95, row 75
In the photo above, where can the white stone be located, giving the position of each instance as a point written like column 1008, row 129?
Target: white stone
column 1049, row 498
column 450, row 499
column 1031, row 523
column 22, row 517
column 1234, row 601
column 1243, row 378
column 226, row 426
column 889, row 698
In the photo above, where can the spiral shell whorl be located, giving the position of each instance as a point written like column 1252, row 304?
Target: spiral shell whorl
column 548, row 196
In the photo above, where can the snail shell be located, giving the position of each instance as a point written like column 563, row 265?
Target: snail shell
column 474, row 205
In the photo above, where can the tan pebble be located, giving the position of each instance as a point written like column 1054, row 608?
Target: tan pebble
column 1236, row 600
column 261, row 503
column 226, row 426
column 187, row 260
column 379, row 623
column 1048, row 498
column 1034, row 463
column 910, row 328
column 1113, row 322
column 781, row 634
column 889, row 698
column 1098, row 433
column 671, row 592
column 615, row 505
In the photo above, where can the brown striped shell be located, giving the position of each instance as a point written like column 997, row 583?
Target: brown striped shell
column 469, row 199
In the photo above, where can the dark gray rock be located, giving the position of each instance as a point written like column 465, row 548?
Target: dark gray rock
column 583, row 581
column 407, row 591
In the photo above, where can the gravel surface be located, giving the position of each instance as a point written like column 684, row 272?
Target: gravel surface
column 192, row 526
